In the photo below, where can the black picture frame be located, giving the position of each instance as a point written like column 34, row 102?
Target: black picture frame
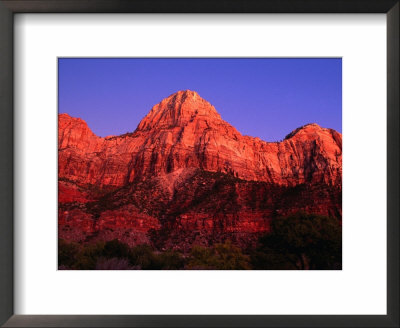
column 10, row 7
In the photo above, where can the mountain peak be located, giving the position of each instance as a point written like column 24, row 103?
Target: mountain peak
column 307, row 128
column 179, row 109
column 185, row 94
column 65, row 119
column 188, row 97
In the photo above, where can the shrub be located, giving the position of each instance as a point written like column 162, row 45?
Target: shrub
column 220, row 257
column 301, row 241
column 170, row 260
column 67, row 253
column 143, row 256
column 115, row 248
column 88, row 255
column 114, row 264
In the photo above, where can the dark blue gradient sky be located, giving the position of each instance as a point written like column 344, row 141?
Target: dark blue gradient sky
column 266, row 98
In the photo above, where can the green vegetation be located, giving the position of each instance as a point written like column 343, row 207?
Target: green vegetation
column 104, row 256
column 219, row 257
column 297, row 242
column 301, row 241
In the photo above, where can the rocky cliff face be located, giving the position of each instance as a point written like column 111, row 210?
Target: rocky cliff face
column 185, row 131
column 185, row 169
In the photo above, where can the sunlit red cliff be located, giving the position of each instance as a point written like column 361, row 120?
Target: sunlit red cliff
column 186, row 176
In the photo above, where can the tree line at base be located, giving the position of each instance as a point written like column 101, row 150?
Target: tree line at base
column 297, row 242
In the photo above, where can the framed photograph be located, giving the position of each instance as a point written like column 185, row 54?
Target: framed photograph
column 199, row 164
column 186, row 190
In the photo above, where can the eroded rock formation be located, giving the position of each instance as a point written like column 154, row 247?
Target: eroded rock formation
column 185, row 169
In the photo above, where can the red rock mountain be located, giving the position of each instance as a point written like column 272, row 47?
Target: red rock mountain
column 185, row 131
column 181, row 153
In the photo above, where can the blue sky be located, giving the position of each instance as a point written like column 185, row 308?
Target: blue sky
column 261, row 97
